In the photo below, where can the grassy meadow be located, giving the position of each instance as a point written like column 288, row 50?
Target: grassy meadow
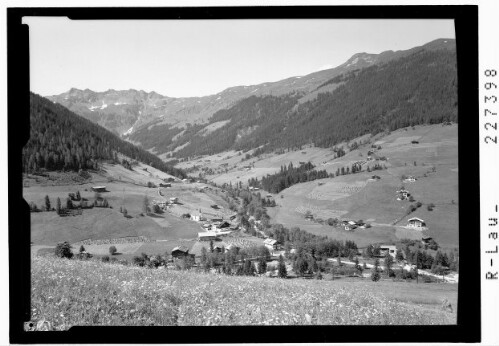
column 66, row 293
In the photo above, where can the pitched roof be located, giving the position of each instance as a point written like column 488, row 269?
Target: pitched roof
column 270, row 241
column 415, row 219
column 207, row 234
column 180, row 248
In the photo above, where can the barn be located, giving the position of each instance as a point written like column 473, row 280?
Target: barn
column 271, row 244
column 207, row 236
column 99, row 188
column 180, row 252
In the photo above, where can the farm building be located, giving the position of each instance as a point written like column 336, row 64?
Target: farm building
column 197, row 217
column 207, row 236
column 161, row 204
column 416, row 223
column 410, row 179
column 180, row 251
column 231, row 246
column 232, row 217
column 222, row 233
column 99, row 188
column 219, row 248
column 403, row 194
column 165, row 184
column 387, row 249
column 217, row 219
column 349, row 227
column 173, row 199
column 224, row 224
column 271, row 244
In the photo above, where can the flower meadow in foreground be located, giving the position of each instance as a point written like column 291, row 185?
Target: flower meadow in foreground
column 66, row 293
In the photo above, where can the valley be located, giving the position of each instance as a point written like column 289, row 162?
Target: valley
column 341, row 183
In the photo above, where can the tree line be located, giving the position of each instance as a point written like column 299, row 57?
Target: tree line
column 61, row 140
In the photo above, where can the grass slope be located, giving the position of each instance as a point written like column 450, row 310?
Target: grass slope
column 353, row 197
column 69, row 292
column 125, row 188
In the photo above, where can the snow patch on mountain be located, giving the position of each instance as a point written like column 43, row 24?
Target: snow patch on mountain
column 128, row 131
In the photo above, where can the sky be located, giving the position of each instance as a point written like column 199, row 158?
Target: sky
column 203, row 57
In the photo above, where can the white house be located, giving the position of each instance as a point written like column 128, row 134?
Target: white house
column 410, row 179
column 271, row 244
column 388, row 249
column 197, row 217
column 416, row 223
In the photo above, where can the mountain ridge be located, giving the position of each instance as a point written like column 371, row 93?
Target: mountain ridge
column 125, row 111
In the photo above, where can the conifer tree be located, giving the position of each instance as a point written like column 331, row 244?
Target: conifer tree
column 58, row 205
column 281, row 271
column 47, row 203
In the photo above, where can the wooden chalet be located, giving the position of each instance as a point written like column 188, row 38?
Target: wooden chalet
column 416, row 223
column 180, row 252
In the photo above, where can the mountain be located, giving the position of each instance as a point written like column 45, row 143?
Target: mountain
column 124, row 111
column 62, row 140
column 166, row 125
column 419, row 88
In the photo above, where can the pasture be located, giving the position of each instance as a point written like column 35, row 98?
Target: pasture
column 47, row 228
column 356, row 197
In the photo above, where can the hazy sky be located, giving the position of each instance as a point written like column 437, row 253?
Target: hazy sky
column 202, row 57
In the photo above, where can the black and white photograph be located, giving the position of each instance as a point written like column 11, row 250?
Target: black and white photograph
column 244, row 172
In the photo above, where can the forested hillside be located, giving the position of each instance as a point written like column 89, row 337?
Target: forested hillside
column 417, row 89
column 62, row 140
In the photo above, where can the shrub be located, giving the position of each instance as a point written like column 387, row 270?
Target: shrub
column 105, row 258
column 33, row 207
column 83, row 256
column 138, row 261
column 63, row 250
column 156, row 209
column 82, row 248
column 112, row 250
column 430, row 207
